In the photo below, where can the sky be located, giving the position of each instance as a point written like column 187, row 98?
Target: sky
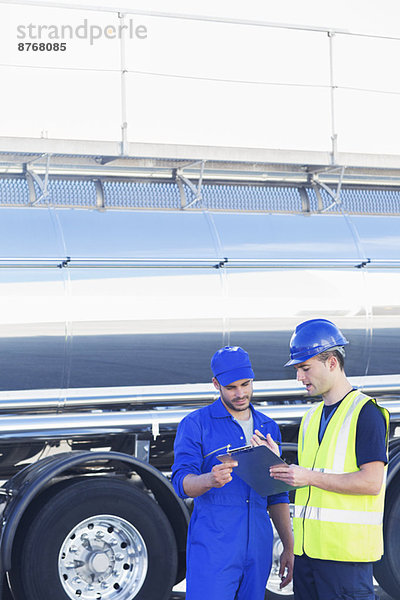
column 202, row 82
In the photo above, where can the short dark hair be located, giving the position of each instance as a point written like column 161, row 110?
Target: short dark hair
column 323, row 357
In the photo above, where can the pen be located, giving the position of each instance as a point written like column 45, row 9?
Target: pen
column 265, row 439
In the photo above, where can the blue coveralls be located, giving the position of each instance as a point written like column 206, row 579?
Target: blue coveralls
column 229, row 550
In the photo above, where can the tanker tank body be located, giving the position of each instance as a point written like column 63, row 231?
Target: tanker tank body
column 92, row 300
column 108, row 321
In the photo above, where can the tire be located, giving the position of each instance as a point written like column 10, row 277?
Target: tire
column 96, row 538
column 387, row 570
column 6, row 593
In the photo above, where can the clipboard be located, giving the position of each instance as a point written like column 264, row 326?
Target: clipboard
column 253, row 468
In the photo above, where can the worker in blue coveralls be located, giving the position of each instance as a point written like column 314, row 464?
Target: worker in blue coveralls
column 229, row 548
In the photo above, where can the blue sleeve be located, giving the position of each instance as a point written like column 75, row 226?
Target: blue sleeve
column 278, row 498
column 188, row 453
column 283, row 496
column 371, row 435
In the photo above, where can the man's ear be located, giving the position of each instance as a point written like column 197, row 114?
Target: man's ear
column 216, row 384
column 333, row 362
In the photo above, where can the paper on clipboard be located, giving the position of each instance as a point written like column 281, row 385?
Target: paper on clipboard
column 253, row 468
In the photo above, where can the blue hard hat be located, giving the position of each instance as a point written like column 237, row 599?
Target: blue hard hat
column 230, row 364
column 313, row 337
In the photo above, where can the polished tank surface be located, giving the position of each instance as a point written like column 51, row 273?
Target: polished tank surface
column 136, row 234
column 285, row 236
column 100, row 298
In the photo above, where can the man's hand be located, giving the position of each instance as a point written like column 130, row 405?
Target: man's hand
column 291, row 474
column 286, row 568
column 258, row 439
column 221, row 474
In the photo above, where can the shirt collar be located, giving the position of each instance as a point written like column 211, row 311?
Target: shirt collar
column 218, row 410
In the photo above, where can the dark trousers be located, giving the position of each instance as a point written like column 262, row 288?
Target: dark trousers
column 315, row 579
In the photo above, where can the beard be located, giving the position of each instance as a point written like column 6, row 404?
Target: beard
column 236, row 405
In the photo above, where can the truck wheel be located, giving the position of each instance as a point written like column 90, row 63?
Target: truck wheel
column 387, row 570
column 95, row 539
column 273, row 592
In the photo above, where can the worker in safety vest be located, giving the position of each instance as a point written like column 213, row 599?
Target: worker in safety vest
column 342, row 454
column 230, row 539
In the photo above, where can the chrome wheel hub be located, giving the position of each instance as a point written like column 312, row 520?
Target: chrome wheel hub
column 102, row 558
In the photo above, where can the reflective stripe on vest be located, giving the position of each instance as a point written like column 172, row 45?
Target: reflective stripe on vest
column 343, row 437
column 305, row 423
column 334, row 515
column 329, row 525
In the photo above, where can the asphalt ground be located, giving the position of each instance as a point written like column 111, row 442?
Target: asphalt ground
column 379, row 592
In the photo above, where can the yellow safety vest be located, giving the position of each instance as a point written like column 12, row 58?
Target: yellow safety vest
column 329, row 525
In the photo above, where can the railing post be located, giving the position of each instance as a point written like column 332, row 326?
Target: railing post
column 333, row 87
column 124, row 73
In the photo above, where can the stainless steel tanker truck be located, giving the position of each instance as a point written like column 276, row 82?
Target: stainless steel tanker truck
column 115, row 291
